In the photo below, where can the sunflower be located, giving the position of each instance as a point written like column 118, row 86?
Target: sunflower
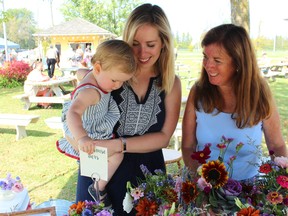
column 170, row 195
column 189, row 191
column 215, row 173
column 146, row 207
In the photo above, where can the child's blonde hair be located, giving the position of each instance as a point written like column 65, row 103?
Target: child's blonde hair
column 115, row 53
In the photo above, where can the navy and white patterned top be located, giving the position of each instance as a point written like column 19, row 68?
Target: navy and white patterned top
column 139, row 117
column 98, row 120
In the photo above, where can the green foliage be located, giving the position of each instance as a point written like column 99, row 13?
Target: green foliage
column 9, row 83
column 20, row 25
column 14, row 74
column 110, row 15
column 184, row 41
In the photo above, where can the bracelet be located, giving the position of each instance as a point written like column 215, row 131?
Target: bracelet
column 124, row 144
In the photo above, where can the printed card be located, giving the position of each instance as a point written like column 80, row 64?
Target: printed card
column 95, row 163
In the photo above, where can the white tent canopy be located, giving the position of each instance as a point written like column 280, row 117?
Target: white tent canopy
column 10, row 44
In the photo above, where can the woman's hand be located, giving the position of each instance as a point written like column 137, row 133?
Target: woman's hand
column 113, row 146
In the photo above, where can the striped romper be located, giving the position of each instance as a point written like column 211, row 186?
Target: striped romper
column 98, row 120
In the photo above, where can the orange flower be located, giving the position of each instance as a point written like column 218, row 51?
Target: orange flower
column 146, row 207
column 78, row 207
column 215, row 173
column 274, row 197
column 248, row 212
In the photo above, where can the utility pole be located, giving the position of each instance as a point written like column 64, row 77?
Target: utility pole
column 4, row 31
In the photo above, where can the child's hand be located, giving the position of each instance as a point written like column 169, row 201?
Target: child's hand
column 86, row 144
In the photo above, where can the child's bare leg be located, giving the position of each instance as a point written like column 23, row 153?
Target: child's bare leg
column 113, row 164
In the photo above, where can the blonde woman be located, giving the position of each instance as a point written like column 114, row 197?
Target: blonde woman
column 149, row 105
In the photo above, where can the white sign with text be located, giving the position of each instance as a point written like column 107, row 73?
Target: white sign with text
column 95, row 163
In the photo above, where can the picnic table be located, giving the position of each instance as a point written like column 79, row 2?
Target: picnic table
column 56, row 86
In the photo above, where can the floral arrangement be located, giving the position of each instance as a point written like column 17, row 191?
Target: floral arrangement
column 212, row 190
column 212, row 185
column 89, row 208
column 10, row 184
column 154, row 196
column 271, row 196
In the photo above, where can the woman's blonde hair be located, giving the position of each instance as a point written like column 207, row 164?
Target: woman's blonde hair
column 253, row 95
column 154, row 16
column 115, row 53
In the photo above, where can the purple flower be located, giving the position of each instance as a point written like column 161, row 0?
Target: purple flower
column 232, row 187
column 104, row 213
column 87, row 212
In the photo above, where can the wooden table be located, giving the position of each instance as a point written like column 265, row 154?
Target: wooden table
column 68, row 71
column 56, row 87
column 172, row 156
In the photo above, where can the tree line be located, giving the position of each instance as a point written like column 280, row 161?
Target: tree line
column 111, row 15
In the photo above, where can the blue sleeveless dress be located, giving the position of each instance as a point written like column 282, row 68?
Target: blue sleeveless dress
column 212, row 126
column 98, row 120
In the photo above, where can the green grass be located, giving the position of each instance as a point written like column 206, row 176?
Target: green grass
column 49, row 174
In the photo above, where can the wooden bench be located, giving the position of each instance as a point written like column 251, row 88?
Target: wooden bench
column 20, row 121
column 34, row 99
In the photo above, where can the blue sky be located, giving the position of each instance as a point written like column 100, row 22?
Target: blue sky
column 194, row 16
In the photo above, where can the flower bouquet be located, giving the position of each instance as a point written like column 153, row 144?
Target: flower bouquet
column 212, row 189
column 9, row 187
column 154, row 196
column 271, row 198
column 89, row 208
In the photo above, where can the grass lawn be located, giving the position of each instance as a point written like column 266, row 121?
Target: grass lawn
column 49, row 174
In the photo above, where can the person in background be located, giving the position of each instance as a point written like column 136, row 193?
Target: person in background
column 51, row 56
column 36, row 75
column 233, row 100
column 92, row 114
column 79, row 53
column 149, row 104
column 58, row 57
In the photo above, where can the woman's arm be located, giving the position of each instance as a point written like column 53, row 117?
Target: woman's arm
column 189, row 140
column 152, row 141
column 273, row 136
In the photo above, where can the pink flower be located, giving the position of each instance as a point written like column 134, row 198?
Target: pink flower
column 281, row 161
column 178, row 184
column 203, row 184
column 17, row 187
column 274, row 197
column 137, row 193
column 283, row 181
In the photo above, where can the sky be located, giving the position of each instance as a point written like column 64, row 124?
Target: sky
column 193, row 16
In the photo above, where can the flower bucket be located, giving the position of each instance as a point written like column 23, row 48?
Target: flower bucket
column 61, row 206
column 6, row 195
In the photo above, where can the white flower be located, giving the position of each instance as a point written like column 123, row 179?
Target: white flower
column 281, row 161
column 128, row 203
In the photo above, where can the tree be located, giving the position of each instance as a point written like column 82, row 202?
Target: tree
column 20, row 25
column 110, row 15
column 240, row 14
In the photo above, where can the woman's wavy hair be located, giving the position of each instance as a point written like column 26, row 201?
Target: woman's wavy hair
column 156, row 17
column 253, row 95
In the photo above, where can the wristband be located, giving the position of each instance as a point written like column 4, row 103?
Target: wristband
column 124, row 144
